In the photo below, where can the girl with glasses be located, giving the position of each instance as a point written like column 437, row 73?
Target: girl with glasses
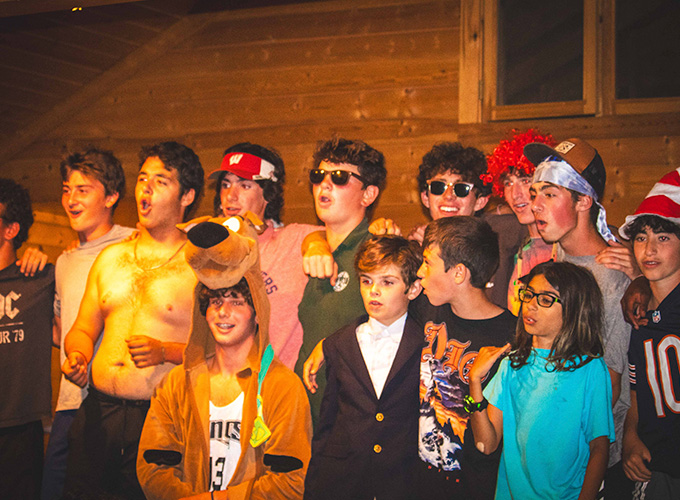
column 550, row 401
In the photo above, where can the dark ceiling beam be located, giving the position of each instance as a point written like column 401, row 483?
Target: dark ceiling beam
column 99, row 86
column 10, row 8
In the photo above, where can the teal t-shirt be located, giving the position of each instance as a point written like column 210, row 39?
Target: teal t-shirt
column 549, row 420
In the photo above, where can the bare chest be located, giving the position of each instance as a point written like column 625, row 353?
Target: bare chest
column 130, row 287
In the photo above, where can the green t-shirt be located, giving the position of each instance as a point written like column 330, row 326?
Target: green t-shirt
column 324, row 309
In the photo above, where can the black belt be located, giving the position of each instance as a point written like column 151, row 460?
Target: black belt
column 105, row 398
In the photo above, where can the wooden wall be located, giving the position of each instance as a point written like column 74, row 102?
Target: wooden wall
column 385, row 71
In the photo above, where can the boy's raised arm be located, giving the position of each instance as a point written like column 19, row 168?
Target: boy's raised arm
column 487, row 425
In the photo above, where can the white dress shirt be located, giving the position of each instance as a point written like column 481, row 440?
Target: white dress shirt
column 379, row 345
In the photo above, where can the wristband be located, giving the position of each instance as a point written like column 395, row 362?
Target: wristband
column 470, row 406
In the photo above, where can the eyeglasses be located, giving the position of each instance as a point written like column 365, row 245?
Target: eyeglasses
column 338, row 177
column 460, row 189
column 543, row 299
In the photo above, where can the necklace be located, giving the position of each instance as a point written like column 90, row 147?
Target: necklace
column 159, row 265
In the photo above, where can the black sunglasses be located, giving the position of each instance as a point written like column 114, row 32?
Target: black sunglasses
column 338, row 177
column 460, row 189
column 543, row 299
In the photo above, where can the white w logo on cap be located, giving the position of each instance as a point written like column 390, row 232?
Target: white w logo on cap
column 235, row 159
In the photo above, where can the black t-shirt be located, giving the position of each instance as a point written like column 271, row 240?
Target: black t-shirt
column 451, row 346
column 25, row 345
column 511, row 234
column 654, row 355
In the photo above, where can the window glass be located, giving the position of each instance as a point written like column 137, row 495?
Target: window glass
column 647, row 49
column 540, row 51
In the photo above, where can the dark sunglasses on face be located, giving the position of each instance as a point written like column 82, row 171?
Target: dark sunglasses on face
column 460, row 189
column 338, row 177
column 543, row 299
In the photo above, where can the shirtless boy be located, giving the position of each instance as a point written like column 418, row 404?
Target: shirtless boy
column 135, row 288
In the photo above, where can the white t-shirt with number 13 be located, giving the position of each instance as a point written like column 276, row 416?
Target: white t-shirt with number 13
column 225, row 442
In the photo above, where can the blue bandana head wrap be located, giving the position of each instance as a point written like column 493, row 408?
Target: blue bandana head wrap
column 557, row 171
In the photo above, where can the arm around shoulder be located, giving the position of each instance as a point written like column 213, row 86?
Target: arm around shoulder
column 317, row 257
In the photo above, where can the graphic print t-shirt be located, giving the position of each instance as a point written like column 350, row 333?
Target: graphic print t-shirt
column 451, row 346
column 25, row 345
column 225, row 442
column 654, row 356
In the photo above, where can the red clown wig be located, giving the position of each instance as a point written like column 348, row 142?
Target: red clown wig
column 508, row 157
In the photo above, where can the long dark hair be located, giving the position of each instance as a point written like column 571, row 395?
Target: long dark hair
column 580, row 338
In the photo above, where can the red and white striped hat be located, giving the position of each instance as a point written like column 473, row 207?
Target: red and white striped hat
column 663, row 201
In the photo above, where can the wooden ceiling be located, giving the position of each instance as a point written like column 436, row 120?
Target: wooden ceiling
column 47, row 57
column 51, row 54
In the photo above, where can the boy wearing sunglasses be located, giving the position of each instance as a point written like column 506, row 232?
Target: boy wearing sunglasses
column 566, row 207
column 346, row 181
column 452, row 180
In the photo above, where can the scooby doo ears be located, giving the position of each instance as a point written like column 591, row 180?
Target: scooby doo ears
column 221, row 251
column 231, row 222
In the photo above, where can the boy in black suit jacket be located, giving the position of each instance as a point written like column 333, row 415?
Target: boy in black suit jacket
column 365, row 446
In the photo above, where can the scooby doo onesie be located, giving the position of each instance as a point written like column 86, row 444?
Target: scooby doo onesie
column 174, row 459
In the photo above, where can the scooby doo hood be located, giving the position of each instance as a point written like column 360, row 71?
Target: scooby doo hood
column 221, row 251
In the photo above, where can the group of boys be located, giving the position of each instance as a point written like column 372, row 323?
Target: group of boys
column 563, row 194
column 391, row 421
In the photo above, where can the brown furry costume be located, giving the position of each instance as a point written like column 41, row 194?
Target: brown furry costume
column 174, row 451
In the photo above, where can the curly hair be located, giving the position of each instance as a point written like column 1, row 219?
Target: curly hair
column 17, row 208
column 508, row 157
column 239, row 289
column 580, row 338
column 181, row 158
column 271, row 190
column 384, row 250
column 99, row 164
column 655, row 223
column 369, row 161
column 469, row 163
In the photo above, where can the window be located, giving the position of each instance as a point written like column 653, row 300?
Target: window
column 535, row 59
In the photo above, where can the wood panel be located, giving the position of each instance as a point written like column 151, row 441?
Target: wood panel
column 429, row 48
column 153, row 119
column 386, row 71
column 347, row 20
column 57, row 48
